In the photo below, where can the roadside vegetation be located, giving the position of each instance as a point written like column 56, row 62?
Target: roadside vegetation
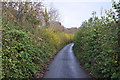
column 27, row 43
column 97, row 44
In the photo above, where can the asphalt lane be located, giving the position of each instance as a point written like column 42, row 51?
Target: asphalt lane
column 65, row 65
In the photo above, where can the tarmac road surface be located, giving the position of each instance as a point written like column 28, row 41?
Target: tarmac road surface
column 65, row 65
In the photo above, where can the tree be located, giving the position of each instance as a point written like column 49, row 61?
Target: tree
column 46, row 17
column 117, row 7
column 54, row 14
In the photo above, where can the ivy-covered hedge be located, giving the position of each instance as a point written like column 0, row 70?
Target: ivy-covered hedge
column 24, row 54
column 96, row 46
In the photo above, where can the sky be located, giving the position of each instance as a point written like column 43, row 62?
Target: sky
column 74, row 12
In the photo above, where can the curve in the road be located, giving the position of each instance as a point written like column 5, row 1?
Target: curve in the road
column 65, row 65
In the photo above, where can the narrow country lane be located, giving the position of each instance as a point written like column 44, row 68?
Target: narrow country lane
column 65, row 65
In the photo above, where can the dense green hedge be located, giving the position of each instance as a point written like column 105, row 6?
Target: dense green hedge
column 96, row 46
column 24, row 54
column 27, row 48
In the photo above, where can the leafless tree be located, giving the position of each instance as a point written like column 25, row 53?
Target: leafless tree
column 54, row 14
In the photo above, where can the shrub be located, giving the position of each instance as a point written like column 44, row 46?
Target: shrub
column 27, row 48
column 96, row 46
column 24, row 53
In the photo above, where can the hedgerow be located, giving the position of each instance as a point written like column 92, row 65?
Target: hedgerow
column 97, row 48
column 24, row 54
column 27, row 48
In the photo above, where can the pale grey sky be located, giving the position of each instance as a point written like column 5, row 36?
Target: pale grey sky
column 74, row 12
